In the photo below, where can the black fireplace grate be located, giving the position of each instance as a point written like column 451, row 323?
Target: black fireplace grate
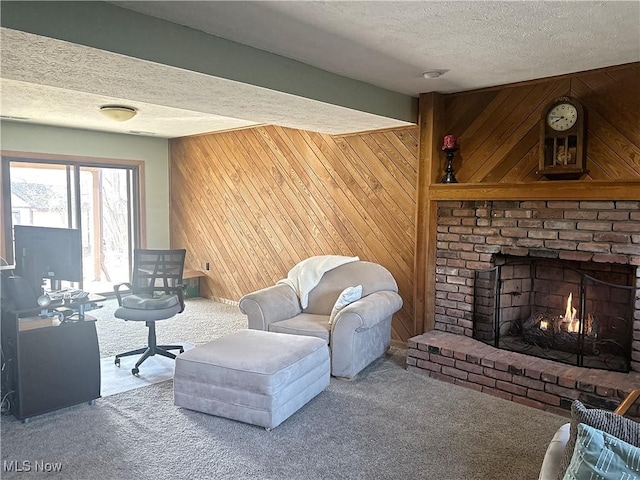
column 551, row 309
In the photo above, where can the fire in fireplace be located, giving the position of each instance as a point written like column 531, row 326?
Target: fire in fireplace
column 552, row 309
column 562, row 332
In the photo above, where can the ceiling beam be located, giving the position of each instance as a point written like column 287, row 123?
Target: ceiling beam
column 107, row 27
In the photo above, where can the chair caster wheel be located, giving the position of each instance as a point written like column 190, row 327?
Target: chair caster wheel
column 117, row 362
column 182, row 350
column 135, row 371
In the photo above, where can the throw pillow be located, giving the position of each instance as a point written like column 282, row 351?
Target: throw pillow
column 348, row 295
column 623, row 428
column 600, row 455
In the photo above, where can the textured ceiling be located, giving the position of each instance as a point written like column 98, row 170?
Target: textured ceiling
column 391, row 43
column 387, row 44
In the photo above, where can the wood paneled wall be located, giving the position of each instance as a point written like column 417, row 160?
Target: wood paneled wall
column 254, row 202
column 498, row 129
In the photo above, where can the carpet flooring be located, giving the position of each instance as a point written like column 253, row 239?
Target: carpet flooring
column 202, row 321
column 389, row 423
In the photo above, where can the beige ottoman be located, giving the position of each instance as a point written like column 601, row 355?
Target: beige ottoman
column 252, row 376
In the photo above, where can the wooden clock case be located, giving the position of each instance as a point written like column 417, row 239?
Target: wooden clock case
column 562, row 153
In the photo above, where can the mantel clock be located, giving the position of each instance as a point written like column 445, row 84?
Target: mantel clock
column 562, row 140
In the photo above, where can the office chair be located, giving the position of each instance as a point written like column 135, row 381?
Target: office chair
column 156, row 294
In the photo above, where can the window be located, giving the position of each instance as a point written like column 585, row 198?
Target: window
column 101, row 199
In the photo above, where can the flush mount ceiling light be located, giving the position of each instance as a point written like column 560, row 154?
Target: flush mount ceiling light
column 433, row 74
column 119, row 113
column 12, row 117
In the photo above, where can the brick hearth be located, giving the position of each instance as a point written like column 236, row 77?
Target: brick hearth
column 532, row 381
column 470, row 235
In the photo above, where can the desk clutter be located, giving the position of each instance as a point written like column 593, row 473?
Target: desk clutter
column 59, row 307
column 65, row 296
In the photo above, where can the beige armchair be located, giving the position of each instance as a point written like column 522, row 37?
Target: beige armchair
column 360, row 332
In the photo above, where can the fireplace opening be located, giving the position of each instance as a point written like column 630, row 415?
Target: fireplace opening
column 576, row 314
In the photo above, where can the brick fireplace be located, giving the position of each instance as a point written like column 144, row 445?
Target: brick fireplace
column 474, row 236
column 578, row 313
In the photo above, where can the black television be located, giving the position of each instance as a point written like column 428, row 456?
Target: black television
column 46, row 252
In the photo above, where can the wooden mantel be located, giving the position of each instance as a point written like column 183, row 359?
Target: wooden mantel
column 551, row 190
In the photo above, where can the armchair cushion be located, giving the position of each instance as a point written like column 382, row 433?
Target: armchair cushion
column 371, row 276
column 304, row 277
column 348, row 295
column 600, row 455
column 304, row 324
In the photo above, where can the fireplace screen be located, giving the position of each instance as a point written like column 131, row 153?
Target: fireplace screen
column 552, row 310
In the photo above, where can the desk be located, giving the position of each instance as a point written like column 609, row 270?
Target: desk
column 191, row 281
column 51, row 365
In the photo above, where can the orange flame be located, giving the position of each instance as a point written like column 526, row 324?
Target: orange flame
column 570, row 314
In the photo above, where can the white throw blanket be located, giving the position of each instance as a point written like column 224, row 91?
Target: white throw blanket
column 307, row 274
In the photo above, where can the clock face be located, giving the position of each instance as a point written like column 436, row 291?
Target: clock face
column 562, row 117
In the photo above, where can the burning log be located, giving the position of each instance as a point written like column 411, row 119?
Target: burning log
column 555, row 331
column 544, row 322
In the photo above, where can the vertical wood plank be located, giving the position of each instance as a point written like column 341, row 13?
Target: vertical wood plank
column 430, row 121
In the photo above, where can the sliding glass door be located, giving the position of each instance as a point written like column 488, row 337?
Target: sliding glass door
column 107, row 219
column 100, row 200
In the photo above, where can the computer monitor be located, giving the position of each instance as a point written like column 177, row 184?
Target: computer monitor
column 46, row 252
